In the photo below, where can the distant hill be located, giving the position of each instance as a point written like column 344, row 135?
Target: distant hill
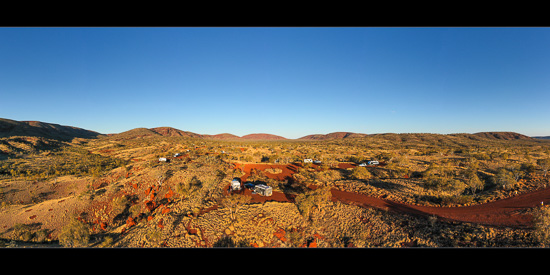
column 420, row 137
column 262, row 137
column 227, row 136
column 224, row 136
column 134, row 133
column 9, row 128
column 152, row 132
column 173, row 132
column 335, row 135
column 502, row 135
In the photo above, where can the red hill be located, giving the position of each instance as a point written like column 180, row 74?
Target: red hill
column 335, row 135
column 502, row 135
column 224, row 136
column 10, row 128
column 173, row 132
column 262, row 137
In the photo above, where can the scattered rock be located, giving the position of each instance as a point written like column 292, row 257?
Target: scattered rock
column 161, row 223
column 130, row 222
column 280, row 234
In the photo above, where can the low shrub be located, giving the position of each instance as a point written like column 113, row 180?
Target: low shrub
column 75, row 234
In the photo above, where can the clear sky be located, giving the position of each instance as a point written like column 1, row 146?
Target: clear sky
column 285, row 81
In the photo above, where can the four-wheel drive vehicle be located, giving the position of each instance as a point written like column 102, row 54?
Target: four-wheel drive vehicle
column 236, row 184
column 373, row 162
column 263, row 190
column 363, row 164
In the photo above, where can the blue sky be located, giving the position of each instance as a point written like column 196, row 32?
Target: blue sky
column 285, row 81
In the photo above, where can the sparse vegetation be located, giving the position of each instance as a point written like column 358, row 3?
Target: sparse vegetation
column 130, row 199
column 75, row 234
column 542, row 225
column 311, row 200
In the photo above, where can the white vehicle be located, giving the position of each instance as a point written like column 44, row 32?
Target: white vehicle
column 163, row 159
column 373, row 162
column 308, row 161
column 363, row 164
column 236, row 184
column 317, row 161
column 263, row 190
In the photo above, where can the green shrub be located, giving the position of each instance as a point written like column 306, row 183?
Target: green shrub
column 504, row 178
column 360, row 173
column 310, row 199
column 75, row 234
column 542, row 225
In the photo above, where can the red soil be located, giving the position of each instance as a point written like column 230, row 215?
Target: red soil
column 288, row 170
column 161, row 223
column 504, row 212
column 130, row 222
column 280, row 234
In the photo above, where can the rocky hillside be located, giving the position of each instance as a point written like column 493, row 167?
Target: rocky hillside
column 335, row 135
column 227, row 136
column 10, row 128
column 262, row 137
column 173, row 132
column 224, row 136
column 153, row 132
column 502, row 135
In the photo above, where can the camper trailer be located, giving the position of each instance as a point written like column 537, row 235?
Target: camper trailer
column 236, row 184
column 263, row 190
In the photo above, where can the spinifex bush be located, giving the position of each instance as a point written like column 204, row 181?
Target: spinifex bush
column 75, row 234
column 360, row 173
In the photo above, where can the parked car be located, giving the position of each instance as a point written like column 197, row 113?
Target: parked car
column 249, row 185
column 236, row 184
column 363, row 164
column 317, row 161
column 263, row 190
column 373, row 162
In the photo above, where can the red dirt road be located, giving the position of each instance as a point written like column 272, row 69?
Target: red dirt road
column 505, row 212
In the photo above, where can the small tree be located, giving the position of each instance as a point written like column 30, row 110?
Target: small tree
column 306, row 202
column 504, row 178
column 542, row 225
column 234, row 202
column 544, row 165
column 516, row 171
column 188, row 188
column 474, row 182
column 360, row 173
column 75, row 234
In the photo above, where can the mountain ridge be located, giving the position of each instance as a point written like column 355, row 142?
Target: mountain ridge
column 10, row 127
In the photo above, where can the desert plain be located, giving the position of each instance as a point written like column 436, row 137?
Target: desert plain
column 62, row 186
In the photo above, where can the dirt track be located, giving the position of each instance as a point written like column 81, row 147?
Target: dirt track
column 506, row 212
